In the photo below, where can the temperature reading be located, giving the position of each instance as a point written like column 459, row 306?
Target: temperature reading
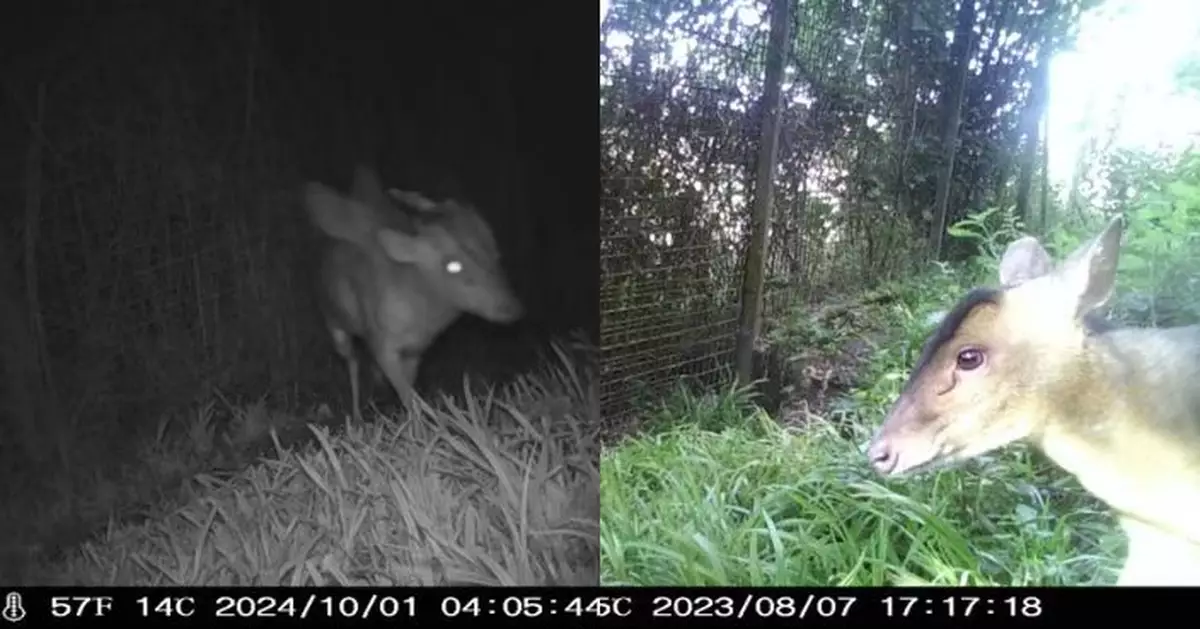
column 80, row 606
column 167, row 606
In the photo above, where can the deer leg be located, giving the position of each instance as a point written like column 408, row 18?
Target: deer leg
column 352, row 364
column 344, row 344
column 378, row 379
column 399, row 370
column 409, row 364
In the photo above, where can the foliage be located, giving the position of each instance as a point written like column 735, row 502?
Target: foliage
column 990, row 230
column 729, row 499
column 740, row 501
column 686, row 128
column 712, row 494
column 492, row 488
column 860, row 149
column 1162, row 252
column 1159, row 195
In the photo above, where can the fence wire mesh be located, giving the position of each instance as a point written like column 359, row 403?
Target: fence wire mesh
column 680, row 124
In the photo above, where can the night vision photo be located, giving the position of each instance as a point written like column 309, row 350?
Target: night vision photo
column 298, row 294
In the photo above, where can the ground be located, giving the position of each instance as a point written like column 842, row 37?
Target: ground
column 487, row 489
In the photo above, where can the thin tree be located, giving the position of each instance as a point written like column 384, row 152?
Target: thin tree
column 952, row 98
column 1035, row 111
column 750, row 322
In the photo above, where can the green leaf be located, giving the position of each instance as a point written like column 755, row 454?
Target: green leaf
column 1185, row 191
column 958, row 232
column 1133, row 262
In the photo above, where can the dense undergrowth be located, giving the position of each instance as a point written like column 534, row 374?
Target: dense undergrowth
column 718, row 492
column 494, row 486
column 715, row 491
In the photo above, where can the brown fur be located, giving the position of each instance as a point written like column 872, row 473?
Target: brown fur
column 1118, row 408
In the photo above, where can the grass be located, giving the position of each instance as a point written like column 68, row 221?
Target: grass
column 715, row 492
column 481, row 489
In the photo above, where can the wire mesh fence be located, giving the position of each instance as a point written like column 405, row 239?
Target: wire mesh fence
column 680, row 122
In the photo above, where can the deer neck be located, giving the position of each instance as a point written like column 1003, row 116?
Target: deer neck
column 1133, row 440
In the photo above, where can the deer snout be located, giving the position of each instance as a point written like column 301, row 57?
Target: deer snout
column 883, row 456
column 900, row 449
column 508, row 310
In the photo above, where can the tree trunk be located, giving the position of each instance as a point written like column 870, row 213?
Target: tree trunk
column 1035, row 110
column 1043, row 215
column 952, row 97
column 904, row 110
column 750, row 321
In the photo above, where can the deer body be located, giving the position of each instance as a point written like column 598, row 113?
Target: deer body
column 388, row 306
column 1119, row 408
column 399, row 271
column 1139, row 452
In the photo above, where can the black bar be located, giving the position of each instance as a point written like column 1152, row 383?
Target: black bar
column 590, row 607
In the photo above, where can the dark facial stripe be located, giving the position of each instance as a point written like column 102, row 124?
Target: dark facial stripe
column 1093, row 324
column 950, row 324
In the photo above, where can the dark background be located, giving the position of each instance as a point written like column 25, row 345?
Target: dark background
column 152, row 241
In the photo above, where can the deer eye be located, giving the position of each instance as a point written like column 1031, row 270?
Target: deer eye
column 969, row 359
column 454, row 266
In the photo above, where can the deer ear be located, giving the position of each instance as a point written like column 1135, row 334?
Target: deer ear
column 1090, row 273
column 1023, row 260
column 405, row 248
column 336, row 215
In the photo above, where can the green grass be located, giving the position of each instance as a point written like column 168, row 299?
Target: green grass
column 715, row 492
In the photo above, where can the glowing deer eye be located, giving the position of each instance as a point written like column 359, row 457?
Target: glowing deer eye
column 969, row 359
column 453, row 266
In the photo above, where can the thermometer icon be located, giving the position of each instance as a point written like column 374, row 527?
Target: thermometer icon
column 13, row 612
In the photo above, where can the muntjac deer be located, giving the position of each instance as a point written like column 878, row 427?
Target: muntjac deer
column 1119, row 408
column 399, row 270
